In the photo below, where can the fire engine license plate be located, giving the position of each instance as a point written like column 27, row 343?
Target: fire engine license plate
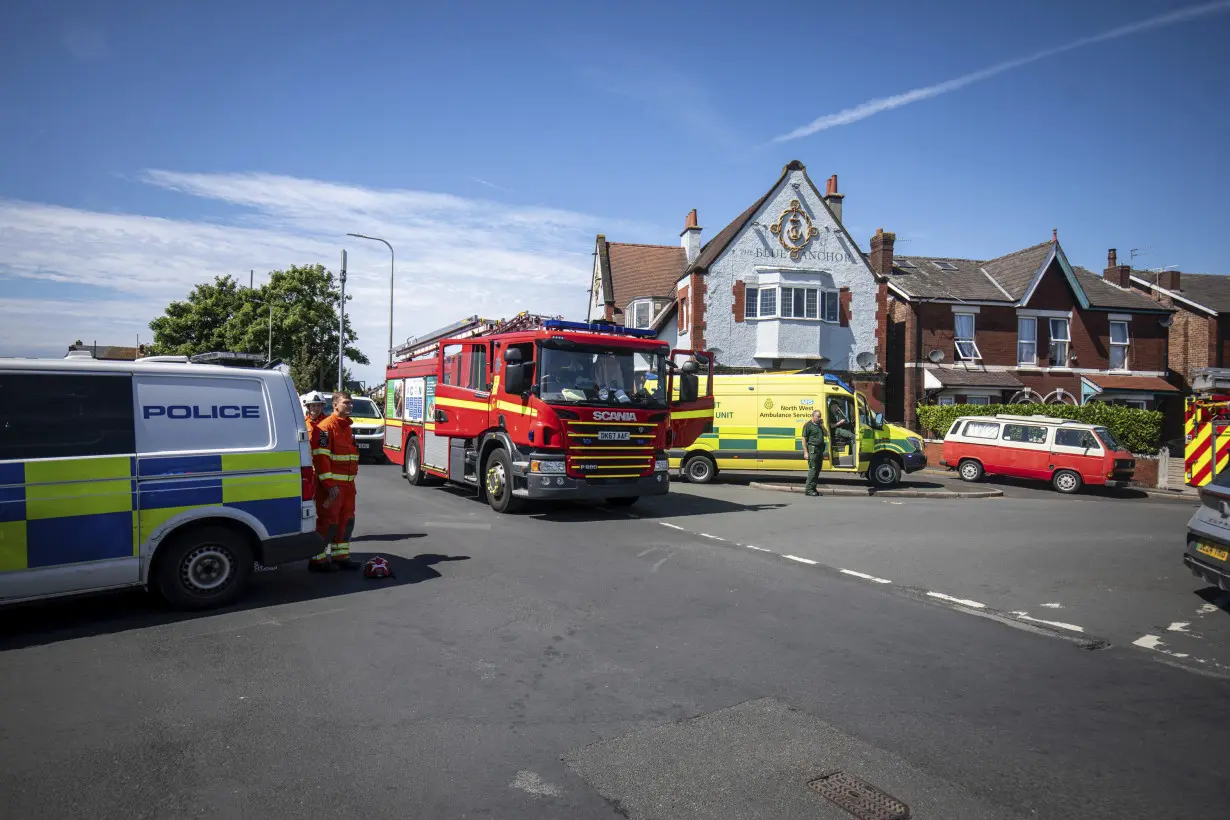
column 1219, row 554
column 364, row 445
column 612, row 435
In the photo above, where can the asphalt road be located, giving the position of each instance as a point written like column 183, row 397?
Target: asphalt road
column 584, row 662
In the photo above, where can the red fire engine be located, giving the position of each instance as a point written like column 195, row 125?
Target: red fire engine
column 534, row 408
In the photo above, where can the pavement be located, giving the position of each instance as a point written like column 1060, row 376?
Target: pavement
column 581, row 661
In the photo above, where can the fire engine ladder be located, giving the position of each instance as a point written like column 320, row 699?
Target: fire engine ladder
column 467, row 328
column 1207, row 381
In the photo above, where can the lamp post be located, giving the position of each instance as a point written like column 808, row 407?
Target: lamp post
column 392, row 259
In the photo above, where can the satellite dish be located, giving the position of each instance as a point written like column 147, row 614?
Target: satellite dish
column 865, row 360
column 1166, row 321
column 936, row 356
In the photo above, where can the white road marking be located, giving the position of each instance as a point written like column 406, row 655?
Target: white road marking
column 663, row 561
column 800, row 560
column 1206, row 609
column 1058, row 624
column 758, row 549
column 714, row 537
column 534, row 784
column 1178, row 626
column 457, row 525
column 643, row 553
column 1148, row 641
column 1053, row 605
column 672, row 526
column 960, row 601
column 866, row 577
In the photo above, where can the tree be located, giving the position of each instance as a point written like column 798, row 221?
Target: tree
column 225, row 316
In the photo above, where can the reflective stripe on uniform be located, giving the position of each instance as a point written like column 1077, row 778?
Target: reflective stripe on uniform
column 335, row 477
column 352, row 457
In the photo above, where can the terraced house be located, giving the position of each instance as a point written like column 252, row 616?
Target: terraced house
column 1026, row 326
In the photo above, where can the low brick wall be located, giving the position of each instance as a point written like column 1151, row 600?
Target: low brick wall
column 935, row 451
column 1145, row 475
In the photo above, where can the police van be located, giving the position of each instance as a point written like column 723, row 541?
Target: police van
column 161, row 473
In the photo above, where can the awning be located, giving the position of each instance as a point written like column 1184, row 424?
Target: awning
column 944, row 376
column 1129, row 384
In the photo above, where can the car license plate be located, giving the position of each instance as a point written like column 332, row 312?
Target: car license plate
column 364, row 445
column 612, row 435
column 1219, row 554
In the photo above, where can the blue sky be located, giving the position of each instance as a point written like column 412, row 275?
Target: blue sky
column 149, row 146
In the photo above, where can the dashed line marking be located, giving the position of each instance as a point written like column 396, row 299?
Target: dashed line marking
column 758, row 549
column 1179, row 626
column 1148, row 641
column 1024, row 616
column 707, row 535
column 1054, row 605
column 800, row 560
column 959, row 601
column 672, row 526
column 866, row 577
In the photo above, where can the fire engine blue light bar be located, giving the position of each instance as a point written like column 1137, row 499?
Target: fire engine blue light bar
column 598, row 327
column 831, row 379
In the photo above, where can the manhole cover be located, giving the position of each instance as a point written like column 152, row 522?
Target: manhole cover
column 859, row 797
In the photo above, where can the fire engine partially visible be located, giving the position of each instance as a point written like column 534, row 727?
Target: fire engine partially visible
column 1207, row 426
column 536, row 408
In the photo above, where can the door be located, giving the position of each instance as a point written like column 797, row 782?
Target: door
column 842, row 428
column 1025, row 452
column 67, row 507
column 1080, row 450
column 463, row 392
column 691, row 392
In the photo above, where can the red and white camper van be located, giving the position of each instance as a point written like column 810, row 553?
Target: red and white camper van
column 1068, row 454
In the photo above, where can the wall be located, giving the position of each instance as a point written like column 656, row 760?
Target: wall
column 830, row 256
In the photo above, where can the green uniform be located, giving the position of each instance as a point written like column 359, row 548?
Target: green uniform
column 813, row 444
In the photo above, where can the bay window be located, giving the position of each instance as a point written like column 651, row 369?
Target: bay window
column 1119, row 340
column 966, row 347
column 1060, row 339
column 1026, row 341
column 751, row 297
column 639, row 314
column 790, row 302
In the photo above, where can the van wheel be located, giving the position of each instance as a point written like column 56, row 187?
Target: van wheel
column 204, row 568
column 884, row 473
column 412, row 465
column 1067, row 481
column 700, row 469
column 498, row 483
column 970, row 470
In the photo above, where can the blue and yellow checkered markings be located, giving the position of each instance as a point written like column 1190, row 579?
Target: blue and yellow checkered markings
column 153, row 466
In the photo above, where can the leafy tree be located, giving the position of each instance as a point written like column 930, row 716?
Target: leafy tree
column 225, row 316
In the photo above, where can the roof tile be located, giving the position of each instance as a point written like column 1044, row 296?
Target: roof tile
column 639, row 271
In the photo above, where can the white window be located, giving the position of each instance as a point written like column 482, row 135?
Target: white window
column 768, row 302
column 1060, row 340
column 978, row 399
column 1119, row 340
column 830, row 305
column 683, row 313
column 639, row 314
column 791, row 302
column 982, row 429
column 1026, row 341
column 1139, row 404
column 966, row 347
column 751, row 300
column 946, row 401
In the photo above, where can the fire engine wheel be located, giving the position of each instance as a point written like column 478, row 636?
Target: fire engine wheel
column 700, row 469
column 497, row 482
column 413, row 466
column 970, row 470
column 1066, row 481
column 203, row 568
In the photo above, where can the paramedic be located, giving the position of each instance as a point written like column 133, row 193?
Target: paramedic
column 813, row 445
column 336, row 459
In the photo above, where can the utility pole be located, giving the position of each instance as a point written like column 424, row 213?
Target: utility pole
column 341, row 328
column 251, row 278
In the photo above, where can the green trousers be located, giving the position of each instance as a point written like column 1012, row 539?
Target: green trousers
column 815, row 458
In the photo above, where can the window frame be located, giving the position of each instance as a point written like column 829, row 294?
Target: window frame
column 1096, row 446
column 1052, row 341
column 958, row 340
column 946, row 401
column 965, row 431
column 1125, row 345
column 751, row 299
column 1033, row 360
column 683, row 322
column 1046, row 433
column 978, row 401
column 99, row 430
column 823, row 304
column 630, row 313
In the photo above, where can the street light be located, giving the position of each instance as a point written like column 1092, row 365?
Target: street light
column 392, row 259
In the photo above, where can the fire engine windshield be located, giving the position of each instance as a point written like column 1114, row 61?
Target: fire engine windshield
column 604, row 376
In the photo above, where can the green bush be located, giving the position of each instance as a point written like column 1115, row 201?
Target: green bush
column 1137, row 430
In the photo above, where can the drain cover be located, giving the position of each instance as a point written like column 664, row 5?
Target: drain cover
column 859, row 797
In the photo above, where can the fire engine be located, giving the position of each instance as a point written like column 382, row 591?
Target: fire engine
column 542, row 408
column 1207, row 425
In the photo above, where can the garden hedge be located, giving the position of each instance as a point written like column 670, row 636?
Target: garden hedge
column 1137, row 430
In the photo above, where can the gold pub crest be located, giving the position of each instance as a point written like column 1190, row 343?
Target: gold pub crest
column 794, row 229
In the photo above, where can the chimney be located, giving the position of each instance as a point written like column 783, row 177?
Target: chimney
column 881, row 250
column 1169, row 280
column 691, row 237
column 1115, row 273
column 832, row 198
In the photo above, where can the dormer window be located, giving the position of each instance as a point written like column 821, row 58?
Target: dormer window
column 639, row 314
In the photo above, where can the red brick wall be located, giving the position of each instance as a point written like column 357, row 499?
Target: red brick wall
column 696, row 292
column 1223, row 340
column 740, row 304
column 1145, row 473
column 881, row 349
column 994, row 331
column 903, row 316
column 843, row 307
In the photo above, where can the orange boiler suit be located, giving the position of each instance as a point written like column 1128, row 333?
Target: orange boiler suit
column 336, row 459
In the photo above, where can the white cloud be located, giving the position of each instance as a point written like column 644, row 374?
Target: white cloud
column 455, row 257
column 872, row 107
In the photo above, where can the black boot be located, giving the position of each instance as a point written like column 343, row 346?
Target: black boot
column 347, row 563
column 321, row 566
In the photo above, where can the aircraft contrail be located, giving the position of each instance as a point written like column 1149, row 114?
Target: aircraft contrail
column 872, row 107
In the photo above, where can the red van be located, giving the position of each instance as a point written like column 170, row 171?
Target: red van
column 1068, row 454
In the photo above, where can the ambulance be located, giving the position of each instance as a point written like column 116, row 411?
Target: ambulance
column 758, row 421
column 160, row 473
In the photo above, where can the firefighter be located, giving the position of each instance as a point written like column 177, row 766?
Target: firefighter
column 813, row 445
column 336, row 459
column 315, row 404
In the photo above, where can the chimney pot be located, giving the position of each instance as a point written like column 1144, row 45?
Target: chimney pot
column 690, row 237
column 1112, row 258
column 881, row 258
column 832, row 198
column 1054, row 234
column 691, row 220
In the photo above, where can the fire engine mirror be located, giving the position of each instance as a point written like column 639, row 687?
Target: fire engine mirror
column 517, row 376
column 512, row 355
column 689, row 384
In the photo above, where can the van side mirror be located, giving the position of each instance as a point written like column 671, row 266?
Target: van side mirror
column 877, row 421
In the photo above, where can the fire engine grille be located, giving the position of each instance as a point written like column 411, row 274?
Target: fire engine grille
column 610, row 450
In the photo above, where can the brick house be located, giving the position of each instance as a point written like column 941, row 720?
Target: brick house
column 635, row 284
column 1200, row 334
column 1027, row 326
column 781, row 287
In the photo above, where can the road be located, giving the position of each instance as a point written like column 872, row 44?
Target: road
column 579, row 661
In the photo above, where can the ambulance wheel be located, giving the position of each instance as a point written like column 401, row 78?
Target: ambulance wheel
column 203, row 568
column 624, row 501
column 497, row 483
column 1066, row 481
column 413, row 464
column 970, row 470
column 700, row 469
column 883, row 473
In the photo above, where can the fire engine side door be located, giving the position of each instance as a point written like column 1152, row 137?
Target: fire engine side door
column 463, row 391
column 691, row 394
